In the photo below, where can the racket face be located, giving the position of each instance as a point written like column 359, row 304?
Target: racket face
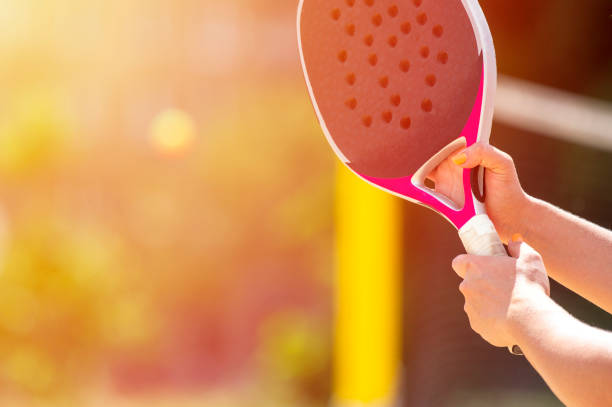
column 395, row 83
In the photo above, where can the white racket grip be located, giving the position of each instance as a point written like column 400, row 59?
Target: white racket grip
column 480, row 237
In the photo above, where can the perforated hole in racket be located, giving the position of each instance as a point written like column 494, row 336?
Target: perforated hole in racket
column 395, row 81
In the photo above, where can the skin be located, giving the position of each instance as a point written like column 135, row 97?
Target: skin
column 507, row 299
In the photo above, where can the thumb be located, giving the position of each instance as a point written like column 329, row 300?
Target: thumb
column 514, row 248
column 485, row 155
column 461, row 263
column 517, row 247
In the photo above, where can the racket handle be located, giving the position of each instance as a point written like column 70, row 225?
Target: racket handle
column 479, row 237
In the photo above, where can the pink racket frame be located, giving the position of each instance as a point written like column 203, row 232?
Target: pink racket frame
column 476, row 129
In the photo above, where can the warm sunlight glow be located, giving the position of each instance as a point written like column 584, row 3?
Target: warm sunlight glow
column 173, row 132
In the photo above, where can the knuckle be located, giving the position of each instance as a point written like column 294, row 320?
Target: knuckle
column 534, row 274
column 475, row 271
column 480, row 286
column 507, row 163
column 507, row 158
column 473, row 324
column 534, row 258
column 471, row 265
column 459, row 261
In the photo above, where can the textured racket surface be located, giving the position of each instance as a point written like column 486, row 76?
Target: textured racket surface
column 394, row 81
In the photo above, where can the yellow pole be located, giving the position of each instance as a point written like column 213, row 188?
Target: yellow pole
column 367, row 298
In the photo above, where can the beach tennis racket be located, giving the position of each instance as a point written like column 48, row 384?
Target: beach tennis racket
column 398, row 86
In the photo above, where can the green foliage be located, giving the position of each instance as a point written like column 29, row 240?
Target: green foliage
column 61, row 303
column 34, row 132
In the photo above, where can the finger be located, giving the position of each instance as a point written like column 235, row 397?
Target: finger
column 517, row 247
column 461, row 264
column 432, row 175
column 514, row 248
column 446, row 166
column 463, row 288
column 472, row 318
column 485, row 155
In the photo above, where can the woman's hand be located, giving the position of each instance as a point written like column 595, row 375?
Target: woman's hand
column 500, row 291
column 505, row 199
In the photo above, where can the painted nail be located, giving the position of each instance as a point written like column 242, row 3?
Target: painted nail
column 460, row 159
column 517, row 237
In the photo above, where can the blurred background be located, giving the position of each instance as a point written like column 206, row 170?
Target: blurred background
column 167, row 207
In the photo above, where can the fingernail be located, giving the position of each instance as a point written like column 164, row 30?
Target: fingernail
column 460, row 159
column 517, row 237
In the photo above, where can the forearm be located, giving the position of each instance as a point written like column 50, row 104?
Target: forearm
column 572, row 357
column 577, row 253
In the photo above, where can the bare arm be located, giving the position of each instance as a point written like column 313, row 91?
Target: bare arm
column 574, row 359
column 507, row 302
column 577, row 253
